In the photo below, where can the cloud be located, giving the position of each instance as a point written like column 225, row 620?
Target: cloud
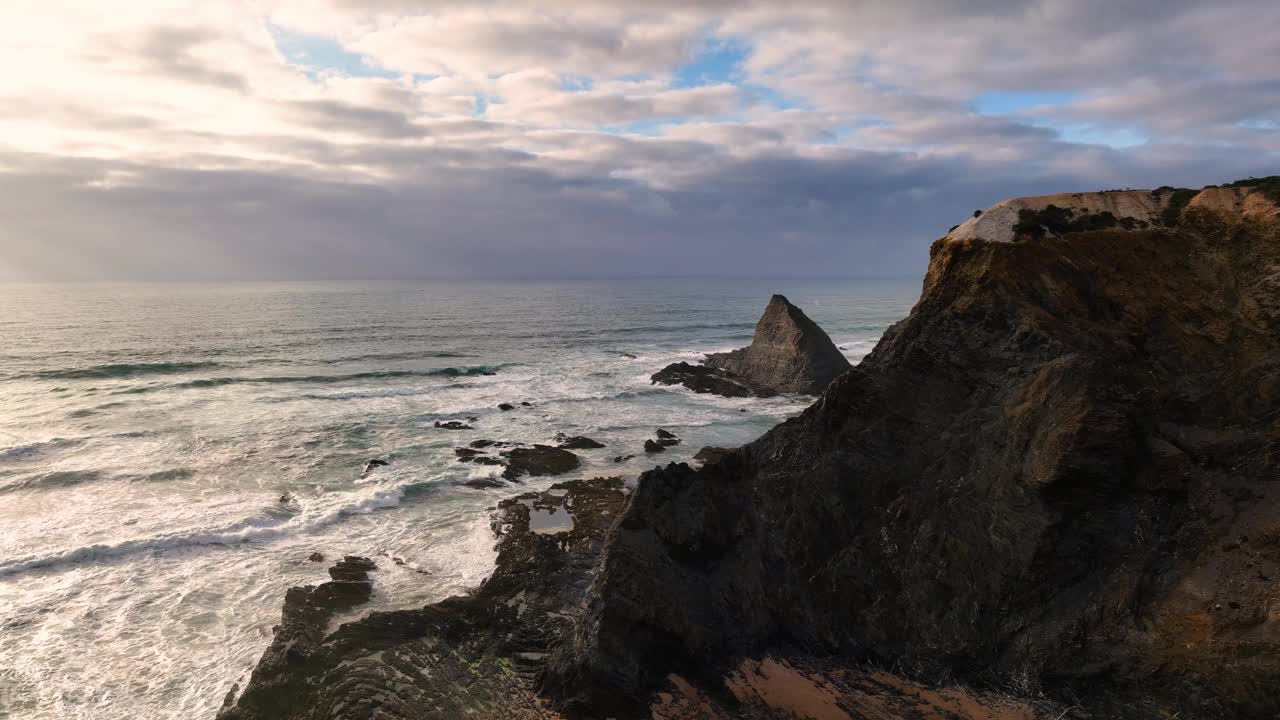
column 177, row 139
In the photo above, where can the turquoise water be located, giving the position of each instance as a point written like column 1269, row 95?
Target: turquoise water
column 148, row 433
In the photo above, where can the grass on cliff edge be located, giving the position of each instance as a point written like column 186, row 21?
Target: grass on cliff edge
column 1269, row 186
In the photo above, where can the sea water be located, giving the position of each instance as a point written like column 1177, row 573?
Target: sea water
column 171, row 454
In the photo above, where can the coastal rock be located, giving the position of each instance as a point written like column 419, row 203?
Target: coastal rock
column 453, row 425
column 467, row 454
column 477, row 655
column 371, row 465
column 577, row 442
column 484, row 483
column 711, row 455
column 653, row 446
column 623, row 458
column 666, row 438
column 539, row 460
column 504, row 407
column 702, row 379
column 788, row 353
column 298, row 639
column 1052, row 475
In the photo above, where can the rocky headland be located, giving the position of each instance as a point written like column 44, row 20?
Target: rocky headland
column 1049, row 492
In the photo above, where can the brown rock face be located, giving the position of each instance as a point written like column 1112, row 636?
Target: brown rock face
column 789, row 353
column 1058, row 473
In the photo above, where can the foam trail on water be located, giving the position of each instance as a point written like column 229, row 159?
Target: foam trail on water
column 255, row 529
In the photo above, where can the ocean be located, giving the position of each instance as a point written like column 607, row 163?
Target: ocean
column 148, row 433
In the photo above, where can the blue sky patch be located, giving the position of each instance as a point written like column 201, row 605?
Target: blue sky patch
column 319, row 55
column 1002, row 102
column 718, row 61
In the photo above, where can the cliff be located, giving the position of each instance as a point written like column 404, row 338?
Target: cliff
column 1054, row 480
column 1057, row 474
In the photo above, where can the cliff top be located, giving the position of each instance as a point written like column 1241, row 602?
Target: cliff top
column 1125, row 209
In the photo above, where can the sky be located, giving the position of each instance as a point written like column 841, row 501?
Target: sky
column 399, row 139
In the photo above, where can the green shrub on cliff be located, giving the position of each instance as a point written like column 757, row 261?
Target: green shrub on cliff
column 1269, row 186
column 1173, row 211
column 1058, row 220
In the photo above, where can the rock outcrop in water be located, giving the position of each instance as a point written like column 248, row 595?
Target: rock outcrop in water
column 1055, row 477
column 788, row 353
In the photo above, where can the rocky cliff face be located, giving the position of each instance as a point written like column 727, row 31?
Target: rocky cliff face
column 1056, row 478
column 1058, row 473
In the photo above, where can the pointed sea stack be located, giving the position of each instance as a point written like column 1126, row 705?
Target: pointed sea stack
column 789, row 353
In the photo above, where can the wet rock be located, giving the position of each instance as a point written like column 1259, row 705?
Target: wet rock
column 487, row 460
column 539, row 460
column 577, row 442
column 711, row 455
column 526, row 404
column 491, row 443
column 484, row 483
column 371, row 465
column 788, row 353
column 703, row 379
column 506, row 406
column 467, row 454
column 653, row 446
column 477, row 655
column 453, row 425
column 285, row 498
column 316, row 557
column 628, row 356
column 623, row 458
column 667, row 438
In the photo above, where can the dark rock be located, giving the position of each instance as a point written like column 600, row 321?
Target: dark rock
column 577, row 442
column 316, row 557
column 298, row 640
column 703, row 379
column 487, row 460
column 453, row 425
column 467, row 454
column 473, row 419
column 651, row 446
column 667, row 439
column 506, row 406
column 488, row 373
column 484, row 483
column 477, row 655
column 1029, row 480
column 526, row 404
column 628, row 356
column 539, row 460
column 623, row 458
column 369, row 466
column 789, row 353
column 491, row 443
column 286, row 498
column 711, row 455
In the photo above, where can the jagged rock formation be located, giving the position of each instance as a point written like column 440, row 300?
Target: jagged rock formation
column 1058, row 472
column 788, row 353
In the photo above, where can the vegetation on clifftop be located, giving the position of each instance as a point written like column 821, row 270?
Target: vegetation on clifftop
column 1060, row 220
